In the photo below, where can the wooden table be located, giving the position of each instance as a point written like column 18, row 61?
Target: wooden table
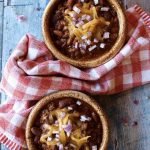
column 128, row 112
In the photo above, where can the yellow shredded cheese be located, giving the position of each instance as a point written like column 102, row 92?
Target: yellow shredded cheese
column 92, row 26
column 76, row 137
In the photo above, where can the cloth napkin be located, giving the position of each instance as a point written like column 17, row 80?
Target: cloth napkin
column 32, row 72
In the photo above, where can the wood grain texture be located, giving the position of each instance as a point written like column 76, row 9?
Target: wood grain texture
column 128, row 112
column 25, row 2
column 1, row 33
column 145, row 4
column 129, row 118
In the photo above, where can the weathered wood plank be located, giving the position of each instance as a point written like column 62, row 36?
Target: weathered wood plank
column 142, row 3
column 23, row 2
column 1, row 39
column 17, row 2
column 15, row 28
column 2, row 147
column 129, row 118
column 1, row 33
column 128, row 112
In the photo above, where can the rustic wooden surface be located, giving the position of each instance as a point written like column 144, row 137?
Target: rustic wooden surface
column 128, row 112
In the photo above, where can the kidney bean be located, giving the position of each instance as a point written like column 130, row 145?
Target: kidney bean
column 66, row 35
column 70, row 40
column 36, row 139
column 58, row 33
column 107, row 16
column 51, row 106
column 62, row 22
column 65, row 102
column 114, row 36
column 114, row 30
column 36, row 131
column 94, row 116
column 65, row 28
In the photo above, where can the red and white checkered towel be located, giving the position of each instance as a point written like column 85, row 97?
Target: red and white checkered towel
column 31, row 72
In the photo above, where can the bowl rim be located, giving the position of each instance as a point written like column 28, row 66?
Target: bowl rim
column 86, row 63
column 63, row 94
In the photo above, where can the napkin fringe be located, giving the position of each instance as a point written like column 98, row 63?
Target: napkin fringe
column 145, row 16
column 8, row 143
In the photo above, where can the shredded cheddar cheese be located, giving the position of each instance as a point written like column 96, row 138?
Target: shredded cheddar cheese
column 96, row 25
column 76, row 137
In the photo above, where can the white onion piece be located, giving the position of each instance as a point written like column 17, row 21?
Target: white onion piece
column 79, row 24
column 49, row 139
column 84, row 17
column 57, row 135
column 67, row 128
column 78, row 103
column 70, row 108
column 76, row 9
column 82, row 1
column 83, row 46
column 84, row 37
column 96, row 2
column 102, row 45
column 106, row 35
column 94, row 147
column 95, row 40
column 88, row 18
column 83, row 118
column 88, row 42
column 105, row 9
column 76, row 45
column 61, row 147
column 92, row 48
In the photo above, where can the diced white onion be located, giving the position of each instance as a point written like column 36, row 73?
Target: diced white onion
column 94, row 147
column 84, row 17
column 105, row 9
column 96, row 2
column 88, row 42
column 79, row 24
column 83, row 118
column 57, row 135
column 76, row 9
column 78, row 103
column 106, row 35
column 83, row 46
column 95, row 40
column 76, row 45
column 61, row 147
column 70, row 108
column 92, row 47
column 49, row 139
column 102, row 45
column 84, row 37
column 88, row 18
